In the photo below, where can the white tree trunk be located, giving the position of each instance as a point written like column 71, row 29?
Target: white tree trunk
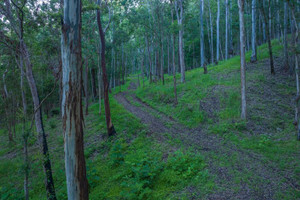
column 218, row 33
column 72, row 114
column 179, row 13
column 226, row 28
column 202, row 34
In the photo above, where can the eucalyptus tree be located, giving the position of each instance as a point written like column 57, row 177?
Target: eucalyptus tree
column 201, row 10
column 179, row 14
column 226, row 27
column 72, row 114
column 218, row 33
column 241, row 4
column 285, row 37
column 211, row 33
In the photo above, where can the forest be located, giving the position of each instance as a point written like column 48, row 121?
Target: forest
column 149, row 99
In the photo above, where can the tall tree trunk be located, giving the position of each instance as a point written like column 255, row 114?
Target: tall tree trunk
column 211, row 34
column 241, row 4
column 99, row 84
column 218, row 34
column 269, row 37
column 202, row 34
column 50, row 190
column 110, row 127
column 296, row 29
column 226, row 28
column 86, row 87
column 149, row 57
column 173, row 62
column 39, row 126
column 285, row 39
column 162, row 63
column 254, row 46
column 72, row 114
column 179, row 13
column 142, row 70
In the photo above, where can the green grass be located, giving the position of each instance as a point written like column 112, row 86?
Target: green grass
column 129, row 166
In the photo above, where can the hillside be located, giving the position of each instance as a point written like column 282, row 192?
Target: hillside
column 199, row 149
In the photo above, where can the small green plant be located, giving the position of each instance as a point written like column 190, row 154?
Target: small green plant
column 141, row 177
column 117, row 154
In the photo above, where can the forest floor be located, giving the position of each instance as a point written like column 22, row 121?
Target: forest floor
column 199, row 149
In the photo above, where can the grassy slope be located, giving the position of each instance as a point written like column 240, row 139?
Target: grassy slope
column 276, row 143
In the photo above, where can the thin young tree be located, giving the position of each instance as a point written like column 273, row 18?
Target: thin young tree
column 72, row 113
column 285, row 38
column 211, row 34
column 173, row 60
column 267, row 29
column 218, row 33
column 226, row 28
column 241, row 4
column 202, row 37
column 179, row 14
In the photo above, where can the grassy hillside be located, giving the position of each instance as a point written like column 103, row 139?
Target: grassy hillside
column 141, row 164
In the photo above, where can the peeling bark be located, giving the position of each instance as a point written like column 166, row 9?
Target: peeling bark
column 72, row 113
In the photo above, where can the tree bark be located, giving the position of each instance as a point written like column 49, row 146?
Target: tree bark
column 243, row 60
column 72, row 114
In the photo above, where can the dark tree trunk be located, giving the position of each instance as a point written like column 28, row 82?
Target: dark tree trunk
column 110, row 127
